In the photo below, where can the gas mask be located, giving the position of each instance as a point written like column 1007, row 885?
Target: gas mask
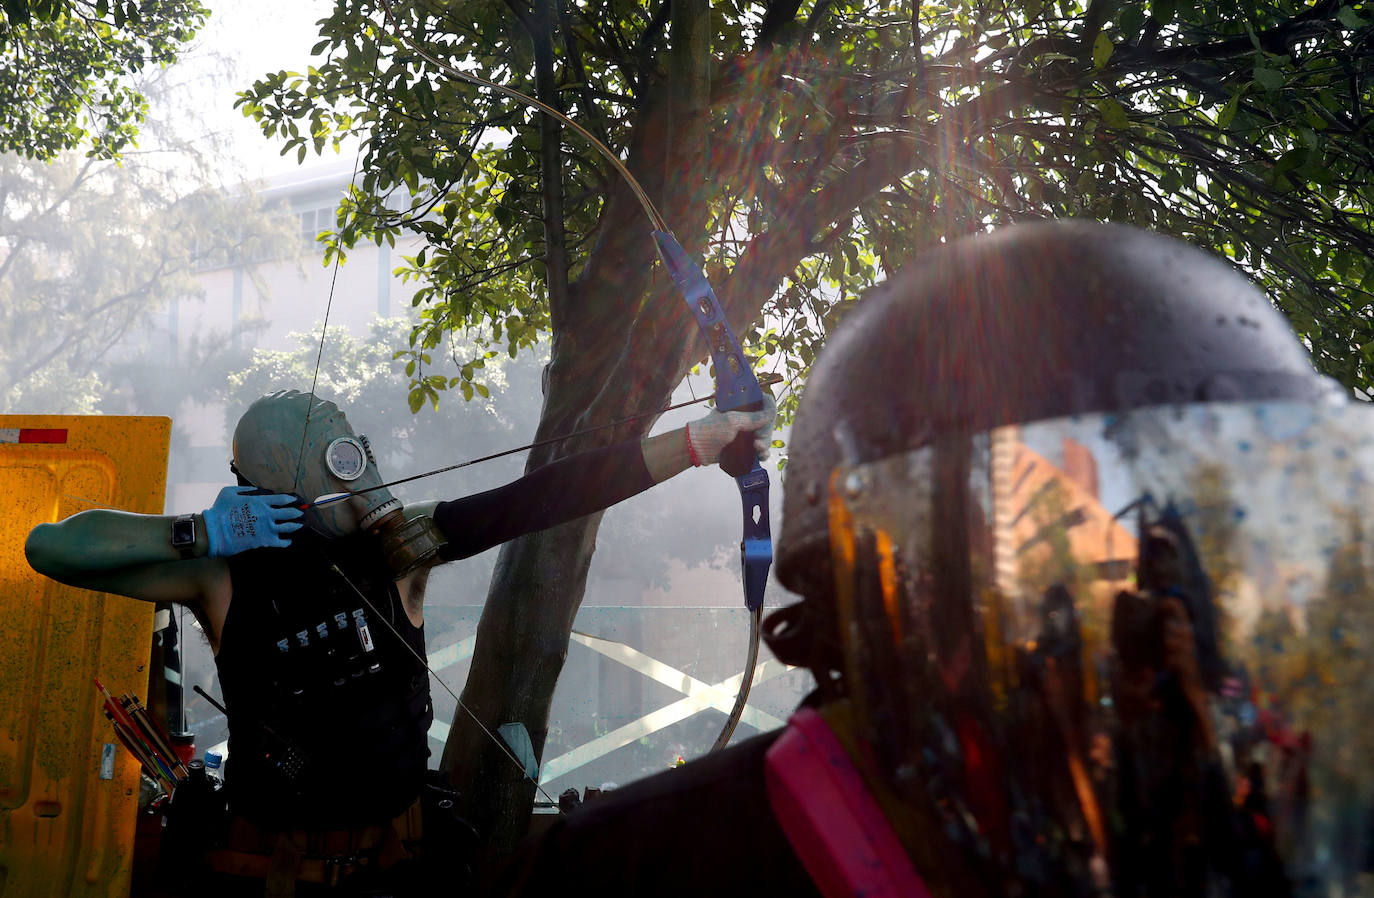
column 290, row 442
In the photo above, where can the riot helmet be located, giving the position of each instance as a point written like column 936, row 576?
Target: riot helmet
column 1081, row 537
column 299, row 444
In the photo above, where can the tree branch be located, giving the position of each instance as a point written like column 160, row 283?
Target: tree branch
column 66, row 194
column 648, row 41
column 1098, row 12
column 779, row 16
column 523, row 14
column 1278, row 39
column 688, row 91
column 550, row 165
column 591, row 113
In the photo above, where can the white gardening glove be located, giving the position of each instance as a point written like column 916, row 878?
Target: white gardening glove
column 707, row 436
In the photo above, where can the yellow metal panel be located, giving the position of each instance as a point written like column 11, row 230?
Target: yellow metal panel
column 64, row 829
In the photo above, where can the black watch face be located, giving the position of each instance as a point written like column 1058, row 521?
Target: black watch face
column 183, row 533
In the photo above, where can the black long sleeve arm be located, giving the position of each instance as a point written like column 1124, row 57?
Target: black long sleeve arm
column 559, row 492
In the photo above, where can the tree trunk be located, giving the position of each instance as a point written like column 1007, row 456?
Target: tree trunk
column 535, row 592
column 689, row 101
column 612, row 357
column 539, row 579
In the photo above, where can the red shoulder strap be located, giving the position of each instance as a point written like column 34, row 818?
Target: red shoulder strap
column 831, row 819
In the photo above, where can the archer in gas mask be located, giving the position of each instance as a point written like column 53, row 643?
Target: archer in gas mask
column 308, row 579
column 294, row 444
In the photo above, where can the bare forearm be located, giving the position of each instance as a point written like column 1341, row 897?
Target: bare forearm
column 101, row 541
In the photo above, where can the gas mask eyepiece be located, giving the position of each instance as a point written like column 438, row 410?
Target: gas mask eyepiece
column 346, row 458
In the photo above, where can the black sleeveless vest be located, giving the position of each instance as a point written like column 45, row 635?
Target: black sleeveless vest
column 329, row 711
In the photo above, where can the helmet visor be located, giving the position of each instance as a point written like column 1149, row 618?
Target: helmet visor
column 1124, row 652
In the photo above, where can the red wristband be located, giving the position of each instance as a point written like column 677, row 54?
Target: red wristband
column 691, row 450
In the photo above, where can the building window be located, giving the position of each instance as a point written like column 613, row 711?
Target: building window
column 312, row 221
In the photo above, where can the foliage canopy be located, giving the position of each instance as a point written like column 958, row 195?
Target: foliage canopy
column 93, row 255
column 877, row 128
column 66, row 70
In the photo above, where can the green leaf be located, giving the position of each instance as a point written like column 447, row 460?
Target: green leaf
column 1341, row 262
column 1350, row 18
column 1290, row 160
column 17, row 11
column 1102, row 50
column 1132, row 19
column 1267, row 78
column 1163, row 10
column 1113, row 114
column 1228, row 112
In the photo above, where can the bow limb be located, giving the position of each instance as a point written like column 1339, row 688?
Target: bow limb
column 737, row 389
column 742, row 697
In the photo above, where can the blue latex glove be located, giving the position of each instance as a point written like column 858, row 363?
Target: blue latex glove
column 238, row 522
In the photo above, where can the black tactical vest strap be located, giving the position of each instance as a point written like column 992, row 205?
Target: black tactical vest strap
column 329, row 711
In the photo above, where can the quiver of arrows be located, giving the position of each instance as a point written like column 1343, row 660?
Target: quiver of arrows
column 144, row 739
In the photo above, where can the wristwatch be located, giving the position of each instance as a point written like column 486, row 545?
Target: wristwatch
column 184, row 535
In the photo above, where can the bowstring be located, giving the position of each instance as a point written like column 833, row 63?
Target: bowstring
column 500, row 743
column 656, row 220
column 305, row 432
column 181, row 662
column 329, row 500
column 333, row 281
